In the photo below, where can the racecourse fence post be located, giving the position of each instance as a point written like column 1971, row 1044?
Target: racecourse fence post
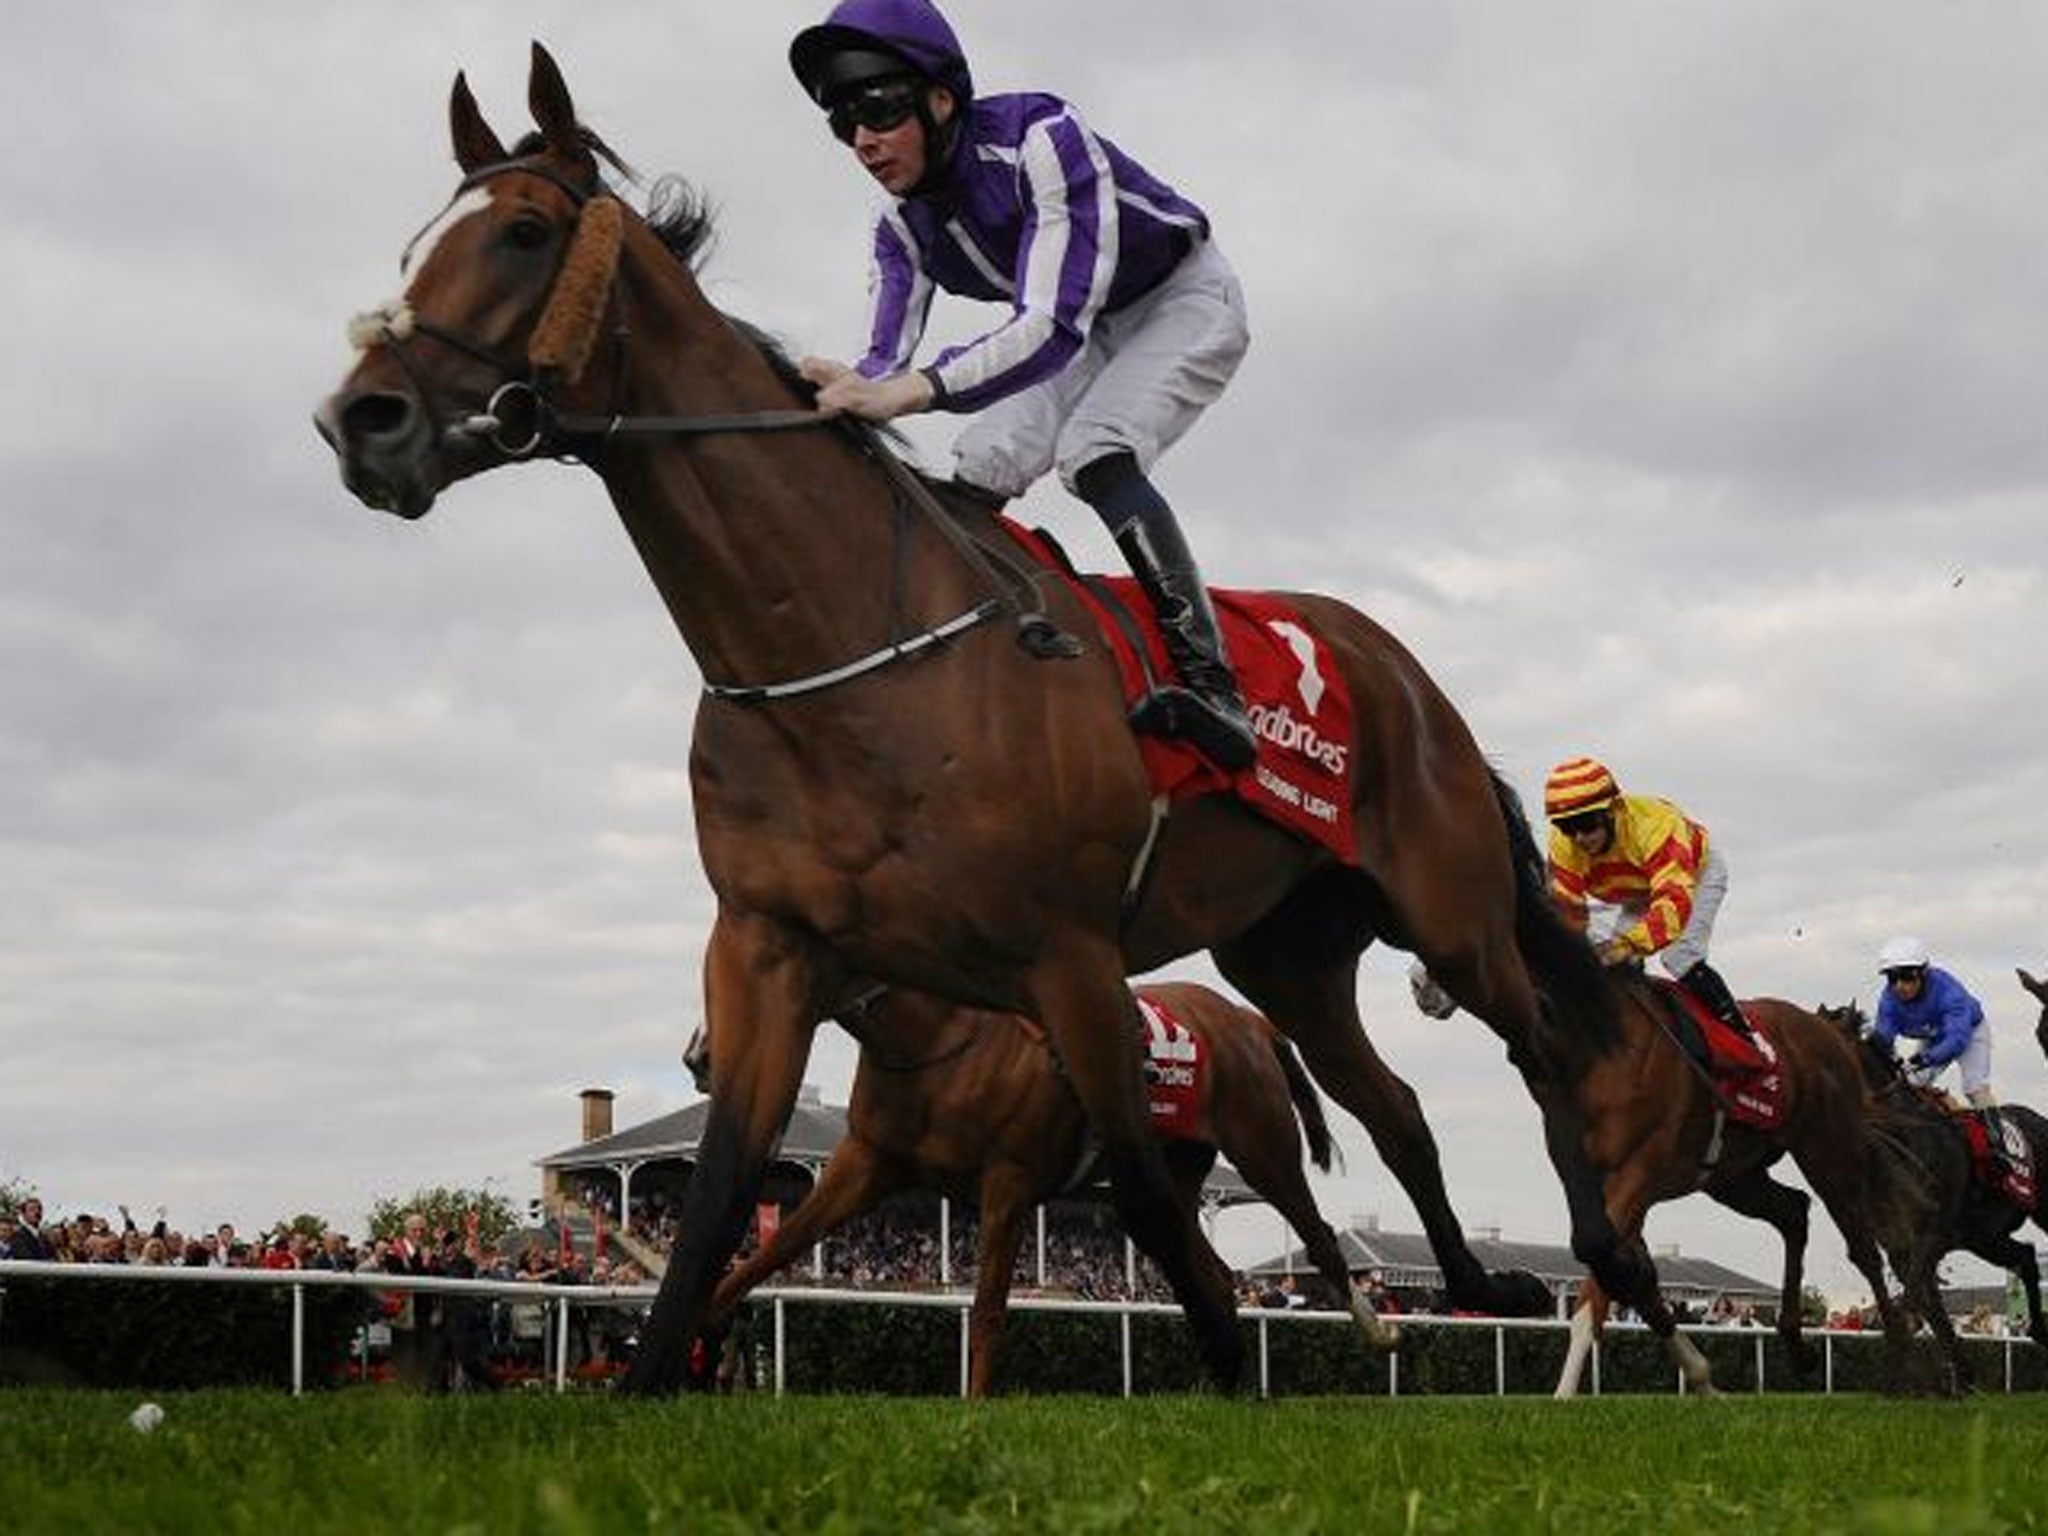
column 1265, row 1362
column 1125, row 1321
column 1500, row 1361
column 780, row 1339
column 963, row 1351
column 2008, row 1367
column 1596, row 1367
column 298, row 1341
column 1827, row 1350
column 1393, row 1373
column 562, row 1344
column 1759, row 1364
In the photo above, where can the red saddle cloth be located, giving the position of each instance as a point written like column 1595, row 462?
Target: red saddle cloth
column 2011, row 1176
column 1296, row 698
column 1175, row 1062
column 1745, row 1071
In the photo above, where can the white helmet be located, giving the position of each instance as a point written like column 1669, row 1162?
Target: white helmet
column 1904, row 953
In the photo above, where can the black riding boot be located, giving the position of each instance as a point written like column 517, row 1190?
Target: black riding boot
column 1209, row 711
column 1705, row 983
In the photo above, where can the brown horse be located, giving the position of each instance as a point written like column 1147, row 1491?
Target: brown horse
column 1657, row 1128
column 888, row 785
column 973, row 1104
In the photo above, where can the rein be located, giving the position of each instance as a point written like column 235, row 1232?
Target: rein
column 520, row 420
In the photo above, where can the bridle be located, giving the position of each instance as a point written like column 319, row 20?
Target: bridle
column 521, row 420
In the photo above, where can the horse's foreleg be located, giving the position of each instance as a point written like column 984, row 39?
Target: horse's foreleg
column 1618, row 1259
column 1087, row 1009
column 1005, row 1197
column 762, row 998
column 1851, row 1211
column 856, row 1179
column 1588, row 1317
column 1757, row 1194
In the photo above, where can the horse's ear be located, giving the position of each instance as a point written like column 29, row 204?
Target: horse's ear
column 476, row 145
column 548, row 97
column 2038, row 988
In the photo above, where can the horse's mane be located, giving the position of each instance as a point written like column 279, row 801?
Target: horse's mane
column 684, row 219
column 1578, row 1010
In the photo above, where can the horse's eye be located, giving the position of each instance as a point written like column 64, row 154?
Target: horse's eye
column 529, row 234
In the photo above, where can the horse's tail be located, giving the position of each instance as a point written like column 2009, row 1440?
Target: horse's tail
column 1307, row 1103
column 1578, row 1003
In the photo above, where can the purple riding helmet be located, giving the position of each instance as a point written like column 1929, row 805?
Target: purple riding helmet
column 866, row 40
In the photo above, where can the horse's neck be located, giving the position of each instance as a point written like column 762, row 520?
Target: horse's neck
column 772, row 550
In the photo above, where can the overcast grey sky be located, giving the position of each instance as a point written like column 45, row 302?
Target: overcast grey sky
column 1668, row 376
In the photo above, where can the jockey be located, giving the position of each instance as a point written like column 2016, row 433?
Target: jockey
column 1649, row 858
column 1923, row 1002
column 1125, row 320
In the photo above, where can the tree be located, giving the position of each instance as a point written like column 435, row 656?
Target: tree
column 446, row 1210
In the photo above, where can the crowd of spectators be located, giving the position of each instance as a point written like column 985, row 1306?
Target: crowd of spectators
column 897, row 1246
column 435, row 1340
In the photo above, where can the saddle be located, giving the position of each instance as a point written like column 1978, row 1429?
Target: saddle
column 1744, row 1071
column 1295, row 696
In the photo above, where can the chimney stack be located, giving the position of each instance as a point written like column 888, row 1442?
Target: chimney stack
column 597, row 1113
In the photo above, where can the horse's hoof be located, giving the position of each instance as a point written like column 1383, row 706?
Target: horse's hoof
column 1517, row 1293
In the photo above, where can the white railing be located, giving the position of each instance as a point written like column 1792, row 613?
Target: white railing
column 564, row 1297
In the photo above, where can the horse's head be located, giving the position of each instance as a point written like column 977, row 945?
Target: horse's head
column 1849, row 1018
column 697, row 1057
column 2038, row 990
column 504, row 295
column 1879, row 1067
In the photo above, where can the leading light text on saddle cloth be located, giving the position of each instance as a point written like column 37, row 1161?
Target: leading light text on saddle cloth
column 1174, row 1064
column 1294, row 694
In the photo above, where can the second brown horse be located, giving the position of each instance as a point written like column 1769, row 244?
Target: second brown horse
column 973, row 1104
column 1657, row 1129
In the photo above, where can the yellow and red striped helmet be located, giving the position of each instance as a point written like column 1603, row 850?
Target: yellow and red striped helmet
column 1577, row 786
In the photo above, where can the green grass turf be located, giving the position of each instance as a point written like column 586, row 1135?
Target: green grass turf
column 226, row 1462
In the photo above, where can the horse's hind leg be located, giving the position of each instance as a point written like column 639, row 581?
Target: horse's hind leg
column 1089, row 1012
column 1588, row 1317
column 1257, row 1132
column 1302, row 972
column 2009, row 1252
column 1756, row 1193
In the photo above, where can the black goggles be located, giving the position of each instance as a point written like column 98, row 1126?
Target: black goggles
column 877, row 108
column 1899, row 973
column 1574, row 826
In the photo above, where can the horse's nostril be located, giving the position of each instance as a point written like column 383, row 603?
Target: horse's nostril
column 377, row 415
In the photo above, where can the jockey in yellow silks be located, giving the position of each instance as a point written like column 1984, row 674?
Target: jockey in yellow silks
column 1647, row 857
